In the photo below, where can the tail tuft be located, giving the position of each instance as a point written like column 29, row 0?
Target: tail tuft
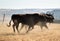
column 9, row 24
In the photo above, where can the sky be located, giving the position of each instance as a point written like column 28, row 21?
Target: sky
column 29, row 4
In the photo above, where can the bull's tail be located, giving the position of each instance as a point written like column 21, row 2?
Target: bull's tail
column 9, row 24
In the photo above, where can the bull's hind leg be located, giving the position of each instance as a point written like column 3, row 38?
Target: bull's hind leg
column 17, row 25
column 28, row 30
column 14, row 27
column 21, row 27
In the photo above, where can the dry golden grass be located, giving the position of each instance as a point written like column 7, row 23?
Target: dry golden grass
column 51, row 34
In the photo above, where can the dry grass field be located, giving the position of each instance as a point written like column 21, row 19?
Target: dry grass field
column 51, row 34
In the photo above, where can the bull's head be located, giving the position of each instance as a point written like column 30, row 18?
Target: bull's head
column 51, row 17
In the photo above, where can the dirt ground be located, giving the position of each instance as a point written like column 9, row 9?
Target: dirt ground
column 51, row 34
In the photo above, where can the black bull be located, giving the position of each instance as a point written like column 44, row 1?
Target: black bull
column 30, row 20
